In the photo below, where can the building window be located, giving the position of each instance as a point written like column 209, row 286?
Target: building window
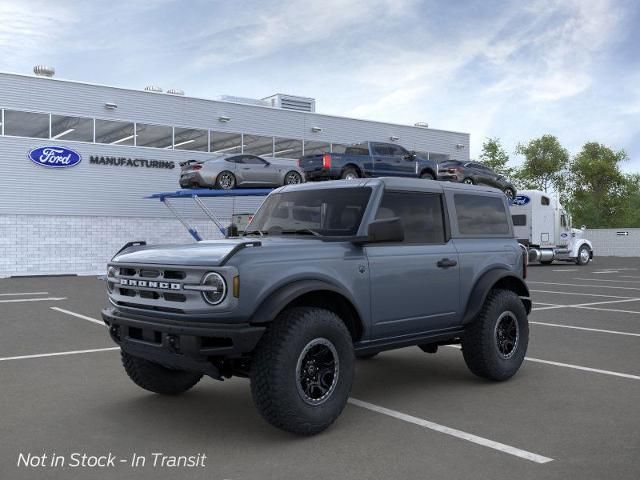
column 258, row 145
column 226, row 143
column 26, row 124
column 316, row 148
column 71, row 128
column 114, row 133
column 157, row 136
column 191, row 139
column 287, row 148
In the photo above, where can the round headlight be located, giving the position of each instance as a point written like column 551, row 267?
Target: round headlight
column 111, row 273
column 216, row 288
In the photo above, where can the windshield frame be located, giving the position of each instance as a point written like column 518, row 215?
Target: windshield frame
column 311, row 228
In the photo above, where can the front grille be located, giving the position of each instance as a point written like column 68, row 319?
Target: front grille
column 147, row 292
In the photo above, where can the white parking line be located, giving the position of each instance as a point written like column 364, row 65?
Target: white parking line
column 575, row 367
column 57, row 354
column 578, row 293
column 603, row 280
column 565, row 270
column 452, row 431
column 580, row 367
column 606, row 271
column 615, row 332
column 610, row 310
column 47, row 299
column 22, row 293
column 588, row 286
column 84, row 317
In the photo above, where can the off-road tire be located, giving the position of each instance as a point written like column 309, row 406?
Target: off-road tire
column 222, row 186
column 479, row 345
column 156, row 378
column 349, row 173
column 579, row 260
column 427, row 176
column 274, row 375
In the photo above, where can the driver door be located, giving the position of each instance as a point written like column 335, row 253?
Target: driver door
column 256, row 171
column 414, row 283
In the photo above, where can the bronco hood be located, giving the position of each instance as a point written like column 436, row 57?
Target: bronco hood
column 206, row 253
column 211, row 253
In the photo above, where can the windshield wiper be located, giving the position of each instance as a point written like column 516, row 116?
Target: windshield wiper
column 301, row 231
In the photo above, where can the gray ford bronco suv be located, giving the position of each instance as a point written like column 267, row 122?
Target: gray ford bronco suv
column 325, row 273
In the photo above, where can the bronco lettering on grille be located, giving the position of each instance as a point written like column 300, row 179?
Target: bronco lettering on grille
column 147, row 284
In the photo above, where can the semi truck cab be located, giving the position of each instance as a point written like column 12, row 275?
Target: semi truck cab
column 543, row 225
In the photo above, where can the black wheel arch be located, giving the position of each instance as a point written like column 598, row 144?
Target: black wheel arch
column 496, row 278
column 430, row 171
column 313, row 293
column 355, row 167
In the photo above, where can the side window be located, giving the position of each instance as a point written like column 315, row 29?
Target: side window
column 381, row 149
column 545, row 201
column 397, row 151
column 238, row 159
column 563, row 220
column 420, row 213
column 519, row 220
column 481, row 215
column 252, row 160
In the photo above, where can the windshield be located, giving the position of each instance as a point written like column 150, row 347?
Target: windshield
column 324, row 212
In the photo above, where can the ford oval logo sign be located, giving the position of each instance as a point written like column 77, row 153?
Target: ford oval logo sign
column 521, row 200
column 55, row 157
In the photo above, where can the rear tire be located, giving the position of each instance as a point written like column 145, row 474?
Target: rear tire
column 468, row 181
column 349, row 173
column 302, row 370
column 225, row 180
column 292, row 178
column 156, row 378
column 495, row 342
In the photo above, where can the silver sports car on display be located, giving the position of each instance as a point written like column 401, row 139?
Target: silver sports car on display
column 231, row 171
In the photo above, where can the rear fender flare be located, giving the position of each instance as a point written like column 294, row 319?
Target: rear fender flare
column 495, row 277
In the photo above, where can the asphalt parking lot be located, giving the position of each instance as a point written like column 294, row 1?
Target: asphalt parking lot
column 573, row 411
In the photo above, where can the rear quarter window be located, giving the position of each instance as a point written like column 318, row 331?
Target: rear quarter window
column 481, row 215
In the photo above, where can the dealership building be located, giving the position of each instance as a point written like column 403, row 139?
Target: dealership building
column 128, row 145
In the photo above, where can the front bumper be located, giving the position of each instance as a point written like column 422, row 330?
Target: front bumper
column 184, row 345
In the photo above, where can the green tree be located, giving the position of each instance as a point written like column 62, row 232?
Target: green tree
column 601, row 195
column 495, row 156
column 545, row 164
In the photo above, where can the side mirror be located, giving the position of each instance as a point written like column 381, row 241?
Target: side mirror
column 384, row 230
column 410, row 156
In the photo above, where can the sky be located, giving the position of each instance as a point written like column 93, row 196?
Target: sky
column 506, row 69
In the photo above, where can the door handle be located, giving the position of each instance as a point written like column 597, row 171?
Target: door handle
column 246, row 168
column 446, row 263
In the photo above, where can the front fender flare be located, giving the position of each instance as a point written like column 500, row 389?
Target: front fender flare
column 489, row 280
column 275, row 302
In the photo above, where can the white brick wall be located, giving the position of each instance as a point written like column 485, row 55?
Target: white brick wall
column 607, row 242
column 46, row 245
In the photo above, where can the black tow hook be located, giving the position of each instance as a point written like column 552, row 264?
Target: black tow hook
column 173, row 343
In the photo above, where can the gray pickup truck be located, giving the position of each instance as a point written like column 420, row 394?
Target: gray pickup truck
column 326, row 272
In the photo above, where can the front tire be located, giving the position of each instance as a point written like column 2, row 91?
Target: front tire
column 302, row 370
column 225, row 180
column 468, row 181
column 495, row 343
column 158, row 379
column 584, row 255
column 427, row 176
